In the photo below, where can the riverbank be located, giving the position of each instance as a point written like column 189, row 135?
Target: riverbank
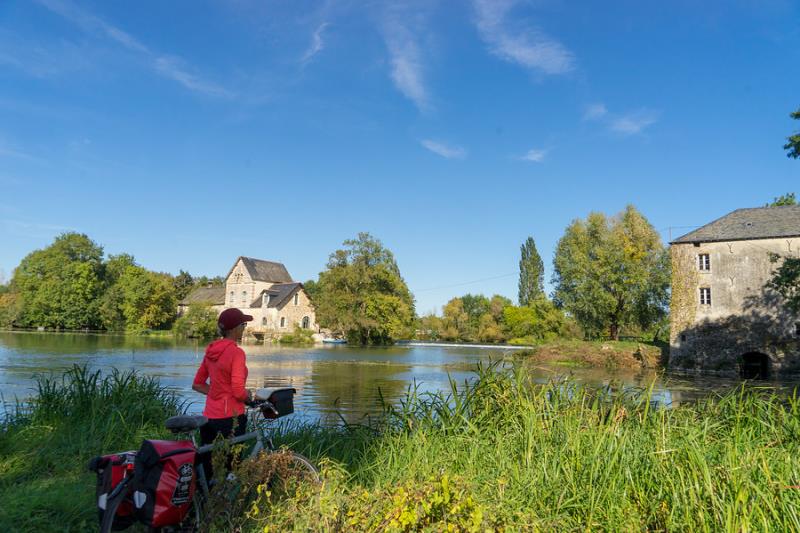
column 500, row 454
column 606, row 354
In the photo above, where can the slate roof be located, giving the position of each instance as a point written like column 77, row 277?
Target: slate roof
column 205, row 295
column 261, row 270
column 747, row 224
column 279, row 294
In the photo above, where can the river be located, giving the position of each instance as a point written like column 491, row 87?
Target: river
column 332, row 382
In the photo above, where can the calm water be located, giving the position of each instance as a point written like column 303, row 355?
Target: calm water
column 331, row 381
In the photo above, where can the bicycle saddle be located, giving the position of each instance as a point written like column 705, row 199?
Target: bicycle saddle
column 185, row 423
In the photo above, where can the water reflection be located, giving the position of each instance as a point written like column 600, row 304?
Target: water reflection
column 332, row 381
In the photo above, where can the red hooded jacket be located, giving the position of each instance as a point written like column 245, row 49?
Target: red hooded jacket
column 224, row 363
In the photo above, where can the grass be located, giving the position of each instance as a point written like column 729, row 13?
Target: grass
column 608, row 354
column 500, row 453
column 45, row 445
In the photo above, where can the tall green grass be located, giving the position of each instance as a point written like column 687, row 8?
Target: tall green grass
column 503, row 453
column 45, row 444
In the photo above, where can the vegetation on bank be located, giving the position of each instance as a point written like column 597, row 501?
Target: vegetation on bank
column 605, row 354
column 501, row 453
column 46, row 444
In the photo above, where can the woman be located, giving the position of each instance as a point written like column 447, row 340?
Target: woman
column 226, row 395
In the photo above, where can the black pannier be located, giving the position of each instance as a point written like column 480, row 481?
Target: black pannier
column 281, row 403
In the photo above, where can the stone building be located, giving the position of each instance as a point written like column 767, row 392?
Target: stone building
column 263, row 289
column 723, row 316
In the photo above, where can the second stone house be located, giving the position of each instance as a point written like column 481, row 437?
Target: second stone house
column 265, row 290
column 724, row 317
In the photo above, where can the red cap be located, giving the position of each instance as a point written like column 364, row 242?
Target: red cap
column 230, row 318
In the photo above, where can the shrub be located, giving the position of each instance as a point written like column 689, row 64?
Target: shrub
column 200, row 321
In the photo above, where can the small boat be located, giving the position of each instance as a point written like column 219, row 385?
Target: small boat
column 334, row 341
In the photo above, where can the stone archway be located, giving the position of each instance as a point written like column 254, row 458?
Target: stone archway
column 754, row 365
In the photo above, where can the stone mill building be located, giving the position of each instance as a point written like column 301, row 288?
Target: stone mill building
column 723, row 316
column 263, row 289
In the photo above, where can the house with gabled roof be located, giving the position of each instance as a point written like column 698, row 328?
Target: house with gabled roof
column 263, row 289
column 724, row 316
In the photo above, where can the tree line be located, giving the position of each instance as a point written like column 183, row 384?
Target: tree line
column 72, row 285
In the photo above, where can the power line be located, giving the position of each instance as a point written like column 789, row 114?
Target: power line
column 468, row 282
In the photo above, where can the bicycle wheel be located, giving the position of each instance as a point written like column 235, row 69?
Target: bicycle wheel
column 305, row 467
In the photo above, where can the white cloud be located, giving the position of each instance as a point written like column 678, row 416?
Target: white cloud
column 523, row 45
column 406, row 64
column 317, row 44
column 445, row 150
column 535, row 155
column 595, row 111
column 171, row 67
column 634, row 122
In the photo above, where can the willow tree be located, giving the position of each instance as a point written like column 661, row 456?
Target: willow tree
column 612, row 272
column 362, row 295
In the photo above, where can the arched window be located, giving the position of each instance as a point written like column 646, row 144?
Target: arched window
column 232, row 297
column 306, row 322
column 264, row 321
column 244, row 298
column 296, row 299
column 283, row 322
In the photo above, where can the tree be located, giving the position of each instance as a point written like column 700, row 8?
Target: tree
column 538, row 321
column 785, row 199
column 362, row 295
column 531, row 273
column 147, row 298
column 183, row 284
column 611, row 273
column 793, row 146
column 200, row 321
column 59, row 286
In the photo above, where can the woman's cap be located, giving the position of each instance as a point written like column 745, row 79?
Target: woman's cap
column 230, row 318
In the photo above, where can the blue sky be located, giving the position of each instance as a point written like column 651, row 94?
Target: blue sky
column 189, row 133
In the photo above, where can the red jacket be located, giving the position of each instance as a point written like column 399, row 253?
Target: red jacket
column 224, row 363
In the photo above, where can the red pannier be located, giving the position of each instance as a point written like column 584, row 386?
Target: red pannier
column 165, row 481
column 110, row 471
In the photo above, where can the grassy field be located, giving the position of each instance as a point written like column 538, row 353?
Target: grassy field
column 502, row 454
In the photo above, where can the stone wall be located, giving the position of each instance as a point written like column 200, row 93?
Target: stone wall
column 744, row 316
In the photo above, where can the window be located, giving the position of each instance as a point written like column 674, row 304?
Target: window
column 283, row 322
column 296, row 299
column 265, row 299
column 232, row 297
column 704, row 262
column 305, row 323
column 705, row 296
column 683, row 337
column 797, row 329
column 264, row 321
column 244, row 298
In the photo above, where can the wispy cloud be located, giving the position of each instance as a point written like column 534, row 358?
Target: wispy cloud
column 535, row 155
column 406, row 64
column 445, row 150
column 317, row 44
column 634, row 122
column 595, row 111
column 517, row 43
column 168, row 66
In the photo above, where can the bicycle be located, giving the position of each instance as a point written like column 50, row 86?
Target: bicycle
column 276, row 404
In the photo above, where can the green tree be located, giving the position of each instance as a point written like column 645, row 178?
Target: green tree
column 455, row 321
column 531, row 273
column 362, row 295
column 183, row 284
column 539, row 321
column 199, row 321
column 611, row 273
column 784, row 199
column 59, row 286
column 793, row 146
column 147, row 298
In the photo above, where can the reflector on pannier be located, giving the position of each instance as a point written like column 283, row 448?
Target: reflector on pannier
column 110, row 471
column 165, row 481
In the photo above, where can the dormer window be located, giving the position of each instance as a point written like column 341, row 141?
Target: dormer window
column 704, row 262
column 265, row 299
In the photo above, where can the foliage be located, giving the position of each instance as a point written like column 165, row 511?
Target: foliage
column 60, row 286
column 786, row 280
column 474, row 318
column 9, row 307
column 540, row 321
column 46, row 443
column 183, row 284
column 611, row 273
column 793, row 146
column 531, row 273
column 785, row 199
column 199, row 321
column 300, row 336
column 362, row 294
